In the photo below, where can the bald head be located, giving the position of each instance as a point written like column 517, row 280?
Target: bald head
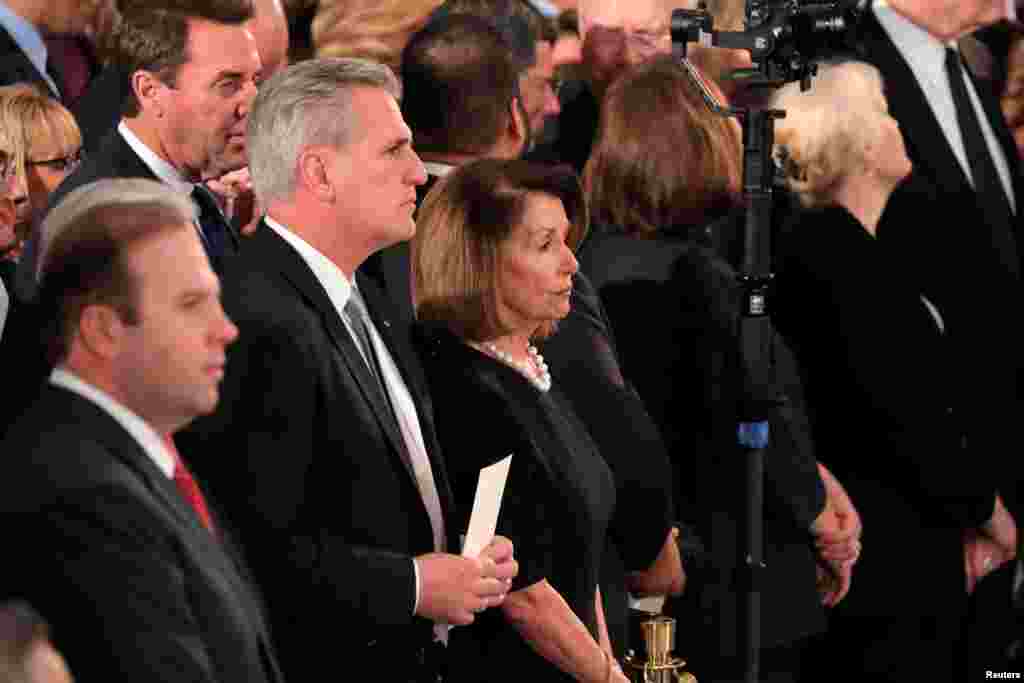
column 269, row 26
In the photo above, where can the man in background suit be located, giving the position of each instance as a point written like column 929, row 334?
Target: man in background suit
column 193, row 68
column 24, row 56
column 968, row 264
column 455, row 54
column 116, row 546
column 323, row 449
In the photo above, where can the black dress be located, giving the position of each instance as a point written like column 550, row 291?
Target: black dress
column 888, row 421
column 558, row 499
column 585, row 365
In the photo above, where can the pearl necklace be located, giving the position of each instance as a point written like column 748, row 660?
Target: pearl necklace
column 542, row 382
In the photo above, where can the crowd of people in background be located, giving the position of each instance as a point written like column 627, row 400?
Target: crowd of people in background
column 280, row 278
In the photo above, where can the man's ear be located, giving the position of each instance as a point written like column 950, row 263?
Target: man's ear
column 150, row 91
column 100, row 330
column 312, row 170
column 518, row 126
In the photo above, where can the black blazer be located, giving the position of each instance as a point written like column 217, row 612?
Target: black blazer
column 886, row 418
column 962, row 255
column 105, row 547
column 15, row 67
column 310, row 466
column 686, row 365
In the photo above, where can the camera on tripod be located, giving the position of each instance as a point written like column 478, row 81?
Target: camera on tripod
column 785, row 38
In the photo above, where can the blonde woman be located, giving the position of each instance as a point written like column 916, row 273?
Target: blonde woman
column 46, row 146
column 370, row 29
column 880, row 377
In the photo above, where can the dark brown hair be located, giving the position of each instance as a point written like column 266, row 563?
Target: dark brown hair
column 459, row 78
column 661, row 158
column 85, row 265
column 153, row 36
column 460, row 227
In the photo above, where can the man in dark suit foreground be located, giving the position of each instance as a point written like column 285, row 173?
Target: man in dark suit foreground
column 323, row 450
column 115, row 544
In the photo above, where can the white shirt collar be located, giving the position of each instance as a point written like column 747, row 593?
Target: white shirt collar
column 327, row 273
column 161, row 168
column 147, row 438
column 925, row 53
column 29, row 40
column 437, row 168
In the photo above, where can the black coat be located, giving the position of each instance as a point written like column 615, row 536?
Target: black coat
column 308, row 463
column 107, row 549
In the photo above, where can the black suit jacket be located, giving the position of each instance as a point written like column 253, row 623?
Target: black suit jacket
column 102, row 543
column 965, row 257
column 15, row 67
column 886, row 418
column 309, row 464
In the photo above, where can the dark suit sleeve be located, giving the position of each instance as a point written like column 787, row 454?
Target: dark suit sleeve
column 274, row 426
column 119, row 603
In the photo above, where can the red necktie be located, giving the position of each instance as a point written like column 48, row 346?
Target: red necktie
column 188, row 487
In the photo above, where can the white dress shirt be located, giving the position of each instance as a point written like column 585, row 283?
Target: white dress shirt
column 5, row 305
column 148, row 439
column 926, row 56
column 339, row 289
column 29, row 40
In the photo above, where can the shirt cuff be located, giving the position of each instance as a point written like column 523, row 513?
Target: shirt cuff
column 416, row 580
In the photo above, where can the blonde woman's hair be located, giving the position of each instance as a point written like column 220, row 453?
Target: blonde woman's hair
column 29, row 118
column 369, row 29
column 828, row 129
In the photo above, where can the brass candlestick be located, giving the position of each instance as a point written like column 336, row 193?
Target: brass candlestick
column 660, row 666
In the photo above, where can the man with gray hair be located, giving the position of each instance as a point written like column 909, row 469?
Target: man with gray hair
column 323, row 449
column 117, row 546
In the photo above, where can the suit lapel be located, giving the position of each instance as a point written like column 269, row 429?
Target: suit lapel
column 274, row 252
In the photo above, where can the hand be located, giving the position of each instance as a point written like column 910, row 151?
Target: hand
column 834, row 581
column 454, row 588
column 838, row 528
column 982, row 556
column 501, row 552
column 234, row 190
column 1001, row 529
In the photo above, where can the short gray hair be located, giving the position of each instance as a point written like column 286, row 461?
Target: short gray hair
column 305, row 104
column 826, row 130
column 109, row 192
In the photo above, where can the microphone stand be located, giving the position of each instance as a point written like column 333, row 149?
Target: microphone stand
column 755, row 335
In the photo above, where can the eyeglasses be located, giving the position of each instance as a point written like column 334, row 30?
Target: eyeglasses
column 61, row 164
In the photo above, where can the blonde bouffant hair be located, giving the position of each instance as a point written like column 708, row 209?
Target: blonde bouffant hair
column 369, row 29
column 828, row 130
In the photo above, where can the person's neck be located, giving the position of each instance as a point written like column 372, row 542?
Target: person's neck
column 150, row 137
column 334, row 243
column 515, row 346
column 865, row 197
